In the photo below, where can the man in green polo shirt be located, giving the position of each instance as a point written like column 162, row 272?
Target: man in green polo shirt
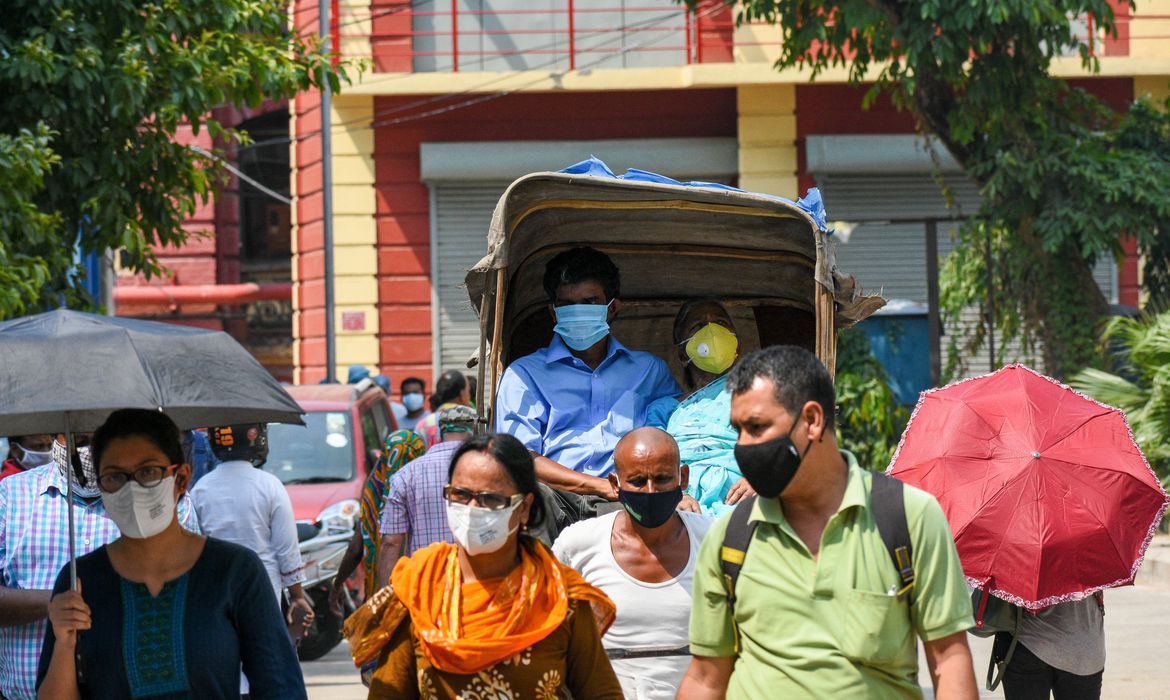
column 816, row 599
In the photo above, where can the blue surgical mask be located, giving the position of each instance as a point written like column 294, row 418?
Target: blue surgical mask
column 582, row 325
column 412, row 402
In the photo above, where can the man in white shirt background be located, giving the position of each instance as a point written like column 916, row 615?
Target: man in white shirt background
column 643, row 557
column 250, row 507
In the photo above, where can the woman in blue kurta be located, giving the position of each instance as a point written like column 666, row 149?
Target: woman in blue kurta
column 701, row 422
column 161, row 612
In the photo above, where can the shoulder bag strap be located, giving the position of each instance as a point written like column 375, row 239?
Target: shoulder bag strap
column 736, row 540
column 996, row 667
column 889, row 513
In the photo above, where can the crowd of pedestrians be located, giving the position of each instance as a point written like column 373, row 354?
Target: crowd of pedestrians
column 614, row 535
column 632, row 468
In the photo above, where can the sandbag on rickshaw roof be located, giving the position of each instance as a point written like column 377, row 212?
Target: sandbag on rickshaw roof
column 767, row 258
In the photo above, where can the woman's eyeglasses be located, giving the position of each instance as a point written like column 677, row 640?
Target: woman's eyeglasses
column 485, row 499
column 146, row 476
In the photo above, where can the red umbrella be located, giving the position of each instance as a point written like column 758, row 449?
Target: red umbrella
column 1047, row 494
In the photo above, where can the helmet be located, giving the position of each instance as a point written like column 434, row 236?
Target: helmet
column 243, row 441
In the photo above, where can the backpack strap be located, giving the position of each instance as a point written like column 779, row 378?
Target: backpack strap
column 740, row 531
column 997, row 666
column 889, row 514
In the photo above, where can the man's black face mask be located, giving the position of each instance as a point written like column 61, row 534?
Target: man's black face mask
column 770, row 466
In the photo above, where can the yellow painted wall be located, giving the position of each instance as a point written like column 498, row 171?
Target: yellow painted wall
column 756, row 43
column 1149, row 29
column 356, row 26
column 767, row 139
column 1156, row 86
column 355, row 252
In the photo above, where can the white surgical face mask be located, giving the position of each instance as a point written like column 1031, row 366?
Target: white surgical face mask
column 479, row 530
column 139, row 511
column 30, row 459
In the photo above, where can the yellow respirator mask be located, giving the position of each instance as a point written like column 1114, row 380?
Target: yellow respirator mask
column 713, row 348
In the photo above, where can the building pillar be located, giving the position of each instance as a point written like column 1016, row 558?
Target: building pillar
column 355, row 254
column 355, row 261
column 767, row 139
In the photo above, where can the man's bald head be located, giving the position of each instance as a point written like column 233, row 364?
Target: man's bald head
column 645, row 452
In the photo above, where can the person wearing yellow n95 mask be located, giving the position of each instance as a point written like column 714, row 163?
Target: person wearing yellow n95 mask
column 713, row 348
column 700, row 420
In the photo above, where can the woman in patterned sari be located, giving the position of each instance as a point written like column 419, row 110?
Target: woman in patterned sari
column 402, row 446
column 495, row 615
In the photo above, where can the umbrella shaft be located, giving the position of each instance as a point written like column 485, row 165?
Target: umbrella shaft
column 69, row 447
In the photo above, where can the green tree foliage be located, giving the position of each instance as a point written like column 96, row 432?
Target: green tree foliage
column 1062, row 176
column 869, row 419
column 92, row 95
column 1140, row 382
column 25, row 160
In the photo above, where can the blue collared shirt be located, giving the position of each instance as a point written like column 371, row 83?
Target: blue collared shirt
column 558, row 407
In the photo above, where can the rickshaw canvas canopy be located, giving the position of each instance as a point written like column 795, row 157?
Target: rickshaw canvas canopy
column 768, row 259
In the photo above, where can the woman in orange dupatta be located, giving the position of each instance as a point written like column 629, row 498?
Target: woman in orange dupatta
column 495, row 615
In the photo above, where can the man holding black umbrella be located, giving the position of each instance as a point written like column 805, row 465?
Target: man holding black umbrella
column 34, row 547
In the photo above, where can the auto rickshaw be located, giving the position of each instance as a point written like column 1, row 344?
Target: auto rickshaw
column 770, row 260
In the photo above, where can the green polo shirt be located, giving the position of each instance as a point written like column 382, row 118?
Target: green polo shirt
column 829, row 627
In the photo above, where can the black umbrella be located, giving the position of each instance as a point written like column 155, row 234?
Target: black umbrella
column 66, row 371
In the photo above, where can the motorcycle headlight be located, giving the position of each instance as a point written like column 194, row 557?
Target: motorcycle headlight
column 340, row 516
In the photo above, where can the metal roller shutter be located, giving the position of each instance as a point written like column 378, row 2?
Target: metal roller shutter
column 891, row 258
column 460, row 215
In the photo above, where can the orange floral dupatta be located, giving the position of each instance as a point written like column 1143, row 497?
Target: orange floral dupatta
column 468, row 627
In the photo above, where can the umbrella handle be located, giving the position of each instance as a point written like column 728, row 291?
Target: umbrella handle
column 982, row 607
column 69, row 448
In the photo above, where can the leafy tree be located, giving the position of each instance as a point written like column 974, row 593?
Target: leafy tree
column 92, row 95
column 1062, row 176
column 870, row 421
column 1140, row 383
column 25, row 159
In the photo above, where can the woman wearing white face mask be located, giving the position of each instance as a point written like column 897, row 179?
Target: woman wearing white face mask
column 161, row 611
column 494, row 615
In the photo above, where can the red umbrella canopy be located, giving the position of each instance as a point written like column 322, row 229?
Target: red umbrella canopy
column 1047, row 494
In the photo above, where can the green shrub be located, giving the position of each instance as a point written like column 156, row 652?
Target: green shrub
column 1139, row 385
column 869, row 418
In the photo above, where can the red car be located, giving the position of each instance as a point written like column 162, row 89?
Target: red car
column 324, row 463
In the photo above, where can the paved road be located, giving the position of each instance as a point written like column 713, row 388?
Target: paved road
column 1137, row 634
column 333, row 677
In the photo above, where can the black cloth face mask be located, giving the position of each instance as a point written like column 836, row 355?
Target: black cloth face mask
column 769, row 466
column 650, row 510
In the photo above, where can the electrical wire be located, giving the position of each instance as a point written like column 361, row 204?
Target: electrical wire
column 241, row 174
column 604, row 37
column 479, row 99
column 373, row 119
column 495, row 95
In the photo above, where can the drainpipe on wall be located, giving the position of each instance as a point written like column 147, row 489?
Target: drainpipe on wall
column 327, row 201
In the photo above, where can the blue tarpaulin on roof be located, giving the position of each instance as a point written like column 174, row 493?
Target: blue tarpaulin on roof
column 811, row 201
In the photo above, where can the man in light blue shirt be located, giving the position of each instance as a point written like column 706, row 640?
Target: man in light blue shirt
column 571, row 402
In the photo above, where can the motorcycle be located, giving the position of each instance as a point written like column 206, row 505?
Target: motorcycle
column 322, row 550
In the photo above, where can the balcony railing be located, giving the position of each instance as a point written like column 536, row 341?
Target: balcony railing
column 555, row 35
column 413, row 36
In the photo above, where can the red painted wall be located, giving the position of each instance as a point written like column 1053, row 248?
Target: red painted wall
column 309, row 289
column 402, row 205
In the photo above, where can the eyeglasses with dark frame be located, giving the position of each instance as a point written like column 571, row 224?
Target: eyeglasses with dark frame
column 485, row 499
column 112, row 482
